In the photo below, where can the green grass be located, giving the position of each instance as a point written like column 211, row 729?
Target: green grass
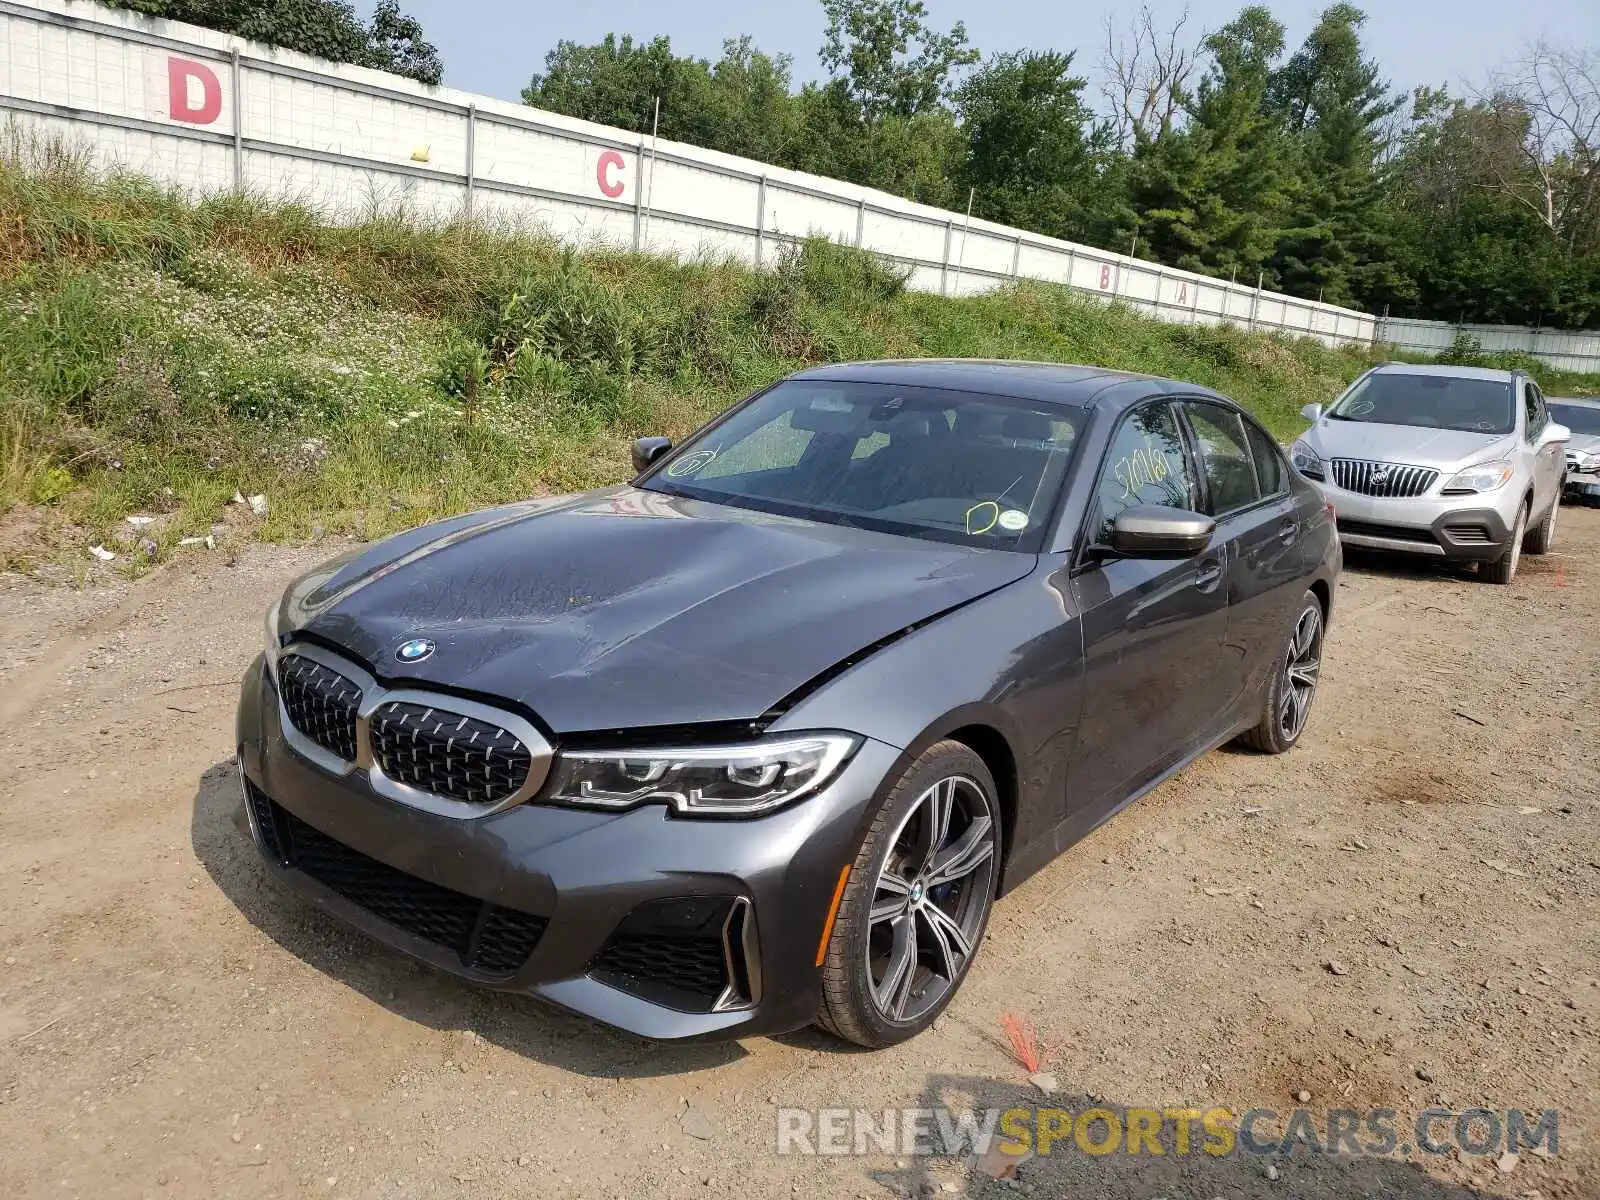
column 158, row 356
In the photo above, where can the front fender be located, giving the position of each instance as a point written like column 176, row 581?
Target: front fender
column 1011, row 663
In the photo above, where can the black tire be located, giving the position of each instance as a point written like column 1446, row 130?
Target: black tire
column 859, row 945
column 1293, row 684
column 1504, row 568
column 1543, row 535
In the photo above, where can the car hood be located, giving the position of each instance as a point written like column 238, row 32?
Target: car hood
column 625, row 609
column 1589, row 443
column 1412, row 445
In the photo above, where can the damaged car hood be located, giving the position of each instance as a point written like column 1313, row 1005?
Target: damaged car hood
column 628, row 609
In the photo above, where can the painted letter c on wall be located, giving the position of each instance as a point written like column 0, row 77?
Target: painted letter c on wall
column 180, row 106
column 609, row 160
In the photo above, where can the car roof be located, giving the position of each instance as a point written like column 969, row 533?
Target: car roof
column 1049, row 382
column 1450, row 370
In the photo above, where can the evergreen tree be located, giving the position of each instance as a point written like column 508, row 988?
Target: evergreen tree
column 1332, row 102
column 1031, row 143
column 1209, row 196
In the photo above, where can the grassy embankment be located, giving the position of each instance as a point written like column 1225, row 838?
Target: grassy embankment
column 158, row 355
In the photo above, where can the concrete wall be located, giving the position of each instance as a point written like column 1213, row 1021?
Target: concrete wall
column 1568, row 351
column 211, row 112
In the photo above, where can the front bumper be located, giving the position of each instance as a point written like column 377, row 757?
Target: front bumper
column 573, row 881
column 1459, row 528
column 1582, row 485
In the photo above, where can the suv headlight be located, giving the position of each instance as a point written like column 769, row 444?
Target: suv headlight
column 1485, row 477
column 1306, row 460
column 732, row 781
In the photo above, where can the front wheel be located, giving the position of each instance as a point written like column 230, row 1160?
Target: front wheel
column 1293, row 685
column 1543, row 535
column 916, row 902
column 1504, row 568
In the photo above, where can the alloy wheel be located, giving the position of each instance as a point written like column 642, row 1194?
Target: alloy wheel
column 1302, row 668
column 931, row 898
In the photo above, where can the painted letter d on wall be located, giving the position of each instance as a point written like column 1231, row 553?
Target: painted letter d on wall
column 194, row 93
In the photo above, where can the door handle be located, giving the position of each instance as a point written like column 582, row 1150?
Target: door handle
column 1287, row 530
column 1208, row 576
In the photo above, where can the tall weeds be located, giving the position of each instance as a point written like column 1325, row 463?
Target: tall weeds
column 157, row 354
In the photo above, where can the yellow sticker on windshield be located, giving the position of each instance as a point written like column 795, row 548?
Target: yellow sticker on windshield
column 982, row 516
column 691, row 463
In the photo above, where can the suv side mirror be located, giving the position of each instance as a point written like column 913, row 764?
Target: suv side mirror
column 1155, row 531
column 1552, row 434
column 647, row 449
column 1312, row 413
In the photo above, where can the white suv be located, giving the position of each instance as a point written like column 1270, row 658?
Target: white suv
column 1455, row 462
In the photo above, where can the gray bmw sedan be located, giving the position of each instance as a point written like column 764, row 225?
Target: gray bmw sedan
column 758, row 739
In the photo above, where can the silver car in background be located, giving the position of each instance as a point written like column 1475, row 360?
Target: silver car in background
column 1582, row 417
column 1461, row 463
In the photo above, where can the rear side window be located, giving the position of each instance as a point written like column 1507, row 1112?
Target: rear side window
column 1224, row 456
column 1270, row 471
column 1146, row 464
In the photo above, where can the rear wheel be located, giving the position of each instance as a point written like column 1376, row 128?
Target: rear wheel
column 1504, row 568
column 1293, row 685
column 1544, row 533
column 916, row 903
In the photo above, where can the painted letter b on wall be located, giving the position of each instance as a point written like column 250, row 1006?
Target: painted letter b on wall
column 194, row 93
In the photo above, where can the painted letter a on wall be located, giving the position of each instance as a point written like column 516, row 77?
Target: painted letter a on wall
column 194, row 93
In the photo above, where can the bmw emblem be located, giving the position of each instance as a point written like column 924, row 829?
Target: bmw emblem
column 414, row 651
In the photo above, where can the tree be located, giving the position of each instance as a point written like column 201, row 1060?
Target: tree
column 892, row 62
column 1545, row 113
column 1471, row 247
column 327, row 29
column 739, row 105
column 1146, row 73
column 1333, row 103
column 1032, row 145
column 1211, row 195
column 617, row 82
column 399, row 46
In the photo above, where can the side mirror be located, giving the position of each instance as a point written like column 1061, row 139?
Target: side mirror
column 1312, row 413
column 1553, row 434
column 647, row 449
column 1155, row 531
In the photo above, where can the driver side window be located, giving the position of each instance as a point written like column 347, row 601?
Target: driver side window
column 1146, row 464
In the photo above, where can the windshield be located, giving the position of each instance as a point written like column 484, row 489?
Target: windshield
column 1580, row 418
column 1430, row 401
column 949, row 466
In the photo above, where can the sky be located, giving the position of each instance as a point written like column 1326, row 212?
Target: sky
column 492, row 46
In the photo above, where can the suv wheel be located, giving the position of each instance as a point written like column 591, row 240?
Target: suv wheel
column 1544, row 534
column 916, row 903
column 1504, row 568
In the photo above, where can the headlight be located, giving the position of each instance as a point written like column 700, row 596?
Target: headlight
column 703, row 781
column 1306, row 460
column 1582, row 460
column 1484, row 477
column 273, row 635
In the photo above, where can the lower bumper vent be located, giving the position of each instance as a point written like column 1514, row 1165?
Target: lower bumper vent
column 486, row 937
column 1468, row 535
column 691, row 953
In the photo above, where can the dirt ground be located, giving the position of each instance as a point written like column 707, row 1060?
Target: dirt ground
column 173, row 1024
